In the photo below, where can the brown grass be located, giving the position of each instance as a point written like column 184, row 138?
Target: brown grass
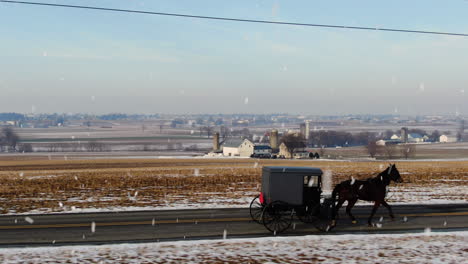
column 42, row 185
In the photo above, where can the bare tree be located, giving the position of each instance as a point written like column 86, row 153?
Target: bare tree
column 26, row 147
column 408, row 151
column 63, row 147
column 208, row 130
column 293, row 142
column 372, row 148
column 8, row 139
column 75, row 146
column 391, row 151
column 95, row 146
column 52, row 147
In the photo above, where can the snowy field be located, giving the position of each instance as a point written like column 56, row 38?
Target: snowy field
column 424, row 247
column 160, row 184
column 397, row 195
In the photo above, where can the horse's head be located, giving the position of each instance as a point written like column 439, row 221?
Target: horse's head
column 393, row 173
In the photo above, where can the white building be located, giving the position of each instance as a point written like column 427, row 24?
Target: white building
column 231, row 148
column 245, row 148
column 380, row 142
column 300, row 151
column 447, row 139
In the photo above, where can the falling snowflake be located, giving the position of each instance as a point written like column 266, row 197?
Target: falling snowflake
column 29, row 219
column 196, row 172
column 246, row 100
column 427, row 230
column 352, row 180
column 421, row 87
column 224, row 234
column 93, row 227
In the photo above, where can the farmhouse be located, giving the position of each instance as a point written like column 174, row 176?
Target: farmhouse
column 245, row 148
column 447, row 139
column 231, row 147
column 298, row 149
column 248, row 148
column 416, row 138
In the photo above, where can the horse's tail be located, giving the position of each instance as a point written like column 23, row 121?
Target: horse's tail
column 333, row 201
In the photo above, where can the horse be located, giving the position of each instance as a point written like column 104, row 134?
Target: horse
column 371, row 189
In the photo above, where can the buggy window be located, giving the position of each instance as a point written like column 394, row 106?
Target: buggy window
column 310, row 181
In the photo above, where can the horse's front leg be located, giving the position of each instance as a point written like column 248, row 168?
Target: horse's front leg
column 389, row 209
column 348, row 210
column 374, row 209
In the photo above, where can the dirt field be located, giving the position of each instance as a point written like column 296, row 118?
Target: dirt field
column 54, row 186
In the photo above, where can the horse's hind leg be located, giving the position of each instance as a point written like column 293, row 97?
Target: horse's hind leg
column 389, row 209
column 348, row 210
column 374, row 209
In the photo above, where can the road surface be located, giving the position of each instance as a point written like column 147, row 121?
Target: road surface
column 171, row 225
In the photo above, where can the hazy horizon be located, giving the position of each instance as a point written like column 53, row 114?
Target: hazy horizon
column 67, row 60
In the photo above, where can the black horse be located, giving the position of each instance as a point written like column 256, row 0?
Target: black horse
column 372, row 189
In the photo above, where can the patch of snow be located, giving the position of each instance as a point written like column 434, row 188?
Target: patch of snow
column 447, row 247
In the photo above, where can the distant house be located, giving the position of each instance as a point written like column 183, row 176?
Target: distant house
column 299, row 150
column 244, row 148
column 415, row 138
column 262, row 150
column 231, row 147
column 248, row 148
column 447, row 139
column 380, row 142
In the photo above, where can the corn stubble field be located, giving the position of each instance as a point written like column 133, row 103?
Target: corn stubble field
column 57, row 186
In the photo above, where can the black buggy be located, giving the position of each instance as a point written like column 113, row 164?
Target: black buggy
column 288, row 192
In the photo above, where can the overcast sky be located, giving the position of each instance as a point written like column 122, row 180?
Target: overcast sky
column 72, row 60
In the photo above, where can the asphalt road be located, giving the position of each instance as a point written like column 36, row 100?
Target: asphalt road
column 170, row 225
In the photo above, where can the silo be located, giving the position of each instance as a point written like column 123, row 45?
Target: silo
column 307, row 130
column 302, row 129
column 404, row 134
column 216, row 141
column 274, row 140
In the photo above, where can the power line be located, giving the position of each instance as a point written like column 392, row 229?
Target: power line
column 238, row 19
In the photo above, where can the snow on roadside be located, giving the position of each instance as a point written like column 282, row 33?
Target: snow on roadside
column 449, row 247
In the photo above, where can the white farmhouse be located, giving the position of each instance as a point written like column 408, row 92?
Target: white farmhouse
column 248, row 148
column 231, row 148
column 245, row 148
column 447, row 139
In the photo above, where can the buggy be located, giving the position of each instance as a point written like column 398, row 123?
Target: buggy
column 289, row 192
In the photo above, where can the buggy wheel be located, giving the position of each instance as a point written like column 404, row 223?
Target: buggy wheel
column 277, row 216
column 256, row 210
column 309, row 214
column 323, row 222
